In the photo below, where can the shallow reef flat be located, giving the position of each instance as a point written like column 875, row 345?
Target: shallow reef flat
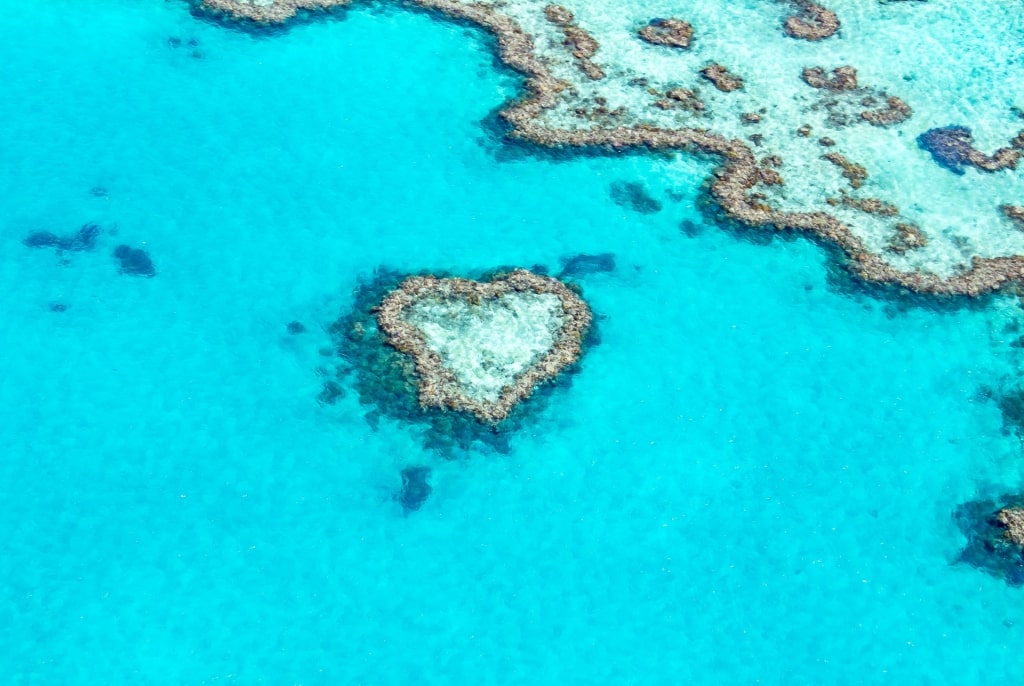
column 831, row 119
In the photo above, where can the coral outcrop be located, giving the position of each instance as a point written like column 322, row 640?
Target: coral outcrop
column 673, row 33
column 811, row 21
column 995, row 536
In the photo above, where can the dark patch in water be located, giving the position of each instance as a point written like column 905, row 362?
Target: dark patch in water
column 98, row 192
column 583, row 264
column 987, row 547
column 330, row 393
column 58, row 307
column 949, row 146
column 415, row 488
column 1011, row 405
column 134, row 261
column 296, row 327
column 83, row 239
column 633, row 196
column 691, row 229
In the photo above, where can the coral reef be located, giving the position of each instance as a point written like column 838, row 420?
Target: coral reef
column 874, row 206
column 842, row 79
column 468, row 386
column 811, row 22
column 723, row 79
column 854, row 173
column 952, row 147
column 549, row 91
column 581, row 43
column 908, row 237
column 1014, row 213
column 995, row 536
column 848, row 103
column 673, row 33
column 1012, row 518
column 269, row 10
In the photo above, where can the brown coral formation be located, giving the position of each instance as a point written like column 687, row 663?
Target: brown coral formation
column 1014, row 213
column 854, row 173
column 438, row 386
column 673, row 33
column 1012, row 518
column 873, row 206
column 846, row 99
column 722, row 78
column 1003, row 158
column 732, row 180
column 908, row 237
column 581, row 43
column 681, row 98
column 811, row 22
column 842, row 79
column 894, row 112
column 276, row 12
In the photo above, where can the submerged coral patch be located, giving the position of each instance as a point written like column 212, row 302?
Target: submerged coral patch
column 811, row 21
column 83, row 239
column 134, row 261
column 633, row 196
column 415, row 488
column 673, row 33
column 584, row 264
column 995, row 536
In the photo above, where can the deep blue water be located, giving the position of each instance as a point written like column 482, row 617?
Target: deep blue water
column 750, row 479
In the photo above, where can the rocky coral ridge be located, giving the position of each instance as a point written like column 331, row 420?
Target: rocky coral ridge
column 491, row 379
column 568, row 100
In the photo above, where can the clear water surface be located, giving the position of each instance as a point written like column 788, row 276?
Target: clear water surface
column 749, row 481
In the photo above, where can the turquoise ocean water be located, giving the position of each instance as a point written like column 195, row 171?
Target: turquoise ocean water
column 750, row 480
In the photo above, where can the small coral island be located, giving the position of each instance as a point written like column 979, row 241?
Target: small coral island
column 995, row 536
column 481, row 347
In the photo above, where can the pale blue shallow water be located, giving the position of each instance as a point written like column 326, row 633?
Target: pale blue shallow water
column 749, row 481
